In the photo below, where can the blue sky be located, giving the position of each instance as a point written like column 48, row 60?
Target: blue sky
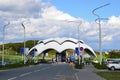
column 83, row 8
column 45, row 19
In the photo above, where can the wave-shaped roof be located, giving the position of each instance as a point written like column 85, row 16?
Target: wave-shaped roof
column 61, row 44
column 60, row 40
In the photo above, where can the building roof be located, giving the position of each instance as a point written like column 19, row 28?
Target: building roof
column 61, row 44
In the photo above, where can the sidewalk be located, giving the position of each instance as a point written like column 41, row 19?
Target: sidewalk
column 88, row 73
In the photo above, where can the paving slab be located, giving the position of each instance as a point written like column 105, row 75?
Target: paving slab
column 88, row 73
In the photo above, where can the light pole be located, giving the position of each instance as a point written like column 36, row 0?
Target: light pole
column 34, row 40
column 78, row 39
column 24, row 42
column 99, row 24
column 79, row 42
column 3, row 42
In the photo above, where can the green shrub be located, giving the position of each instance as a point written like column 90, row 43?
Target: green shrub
column 114, row 54
column 98, row 66
column 79, row 66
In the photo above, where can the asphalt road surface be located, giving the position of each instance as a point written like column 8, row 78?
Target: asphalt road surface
column 41, row 72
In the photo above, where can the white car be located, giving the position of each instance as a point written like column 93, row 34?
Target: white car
column 112, row 65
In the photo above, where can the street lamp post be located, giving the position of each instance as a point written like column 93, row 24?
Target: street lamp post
column 24, row 42
column 78, row 39
column 79, row 42
column 99, row 24
column 34, row 39
column 3, row 42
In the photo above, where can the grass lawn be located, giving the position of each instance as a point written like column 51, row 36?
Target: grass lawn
column 12, row 58
column 110, row 75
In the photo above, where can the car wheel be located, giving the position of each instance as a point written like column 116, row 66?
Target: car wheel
column 112, row 68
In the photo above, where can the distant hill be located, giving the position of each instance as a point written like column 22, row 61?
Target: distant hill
column 16, row 46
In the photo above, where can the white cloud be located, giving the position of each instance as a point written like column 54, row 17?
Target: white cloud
column 114, row 20
column 92, row 33
column 53, row 13
column 107, row 38
column 42, row 20
column 20, row 8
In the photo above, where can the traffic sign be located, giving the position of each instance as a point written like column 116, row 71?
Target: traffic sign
column 77, row 50
column 33, row 53
column 81, row 48
column 22, row 50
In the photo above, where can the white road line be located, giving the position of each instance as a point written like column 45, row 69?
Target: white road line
column 76, row 76
column 46, row 68
column 42, row 69
column 12, row 78
column 25, row 74
column 37, row 70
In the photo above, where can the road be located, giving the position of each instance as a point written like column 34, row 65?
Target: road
column 41, row 72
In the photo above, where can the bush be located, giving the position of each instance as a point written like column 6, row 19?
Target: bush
column 114, row 54
column 98, row 66
column 79, row 66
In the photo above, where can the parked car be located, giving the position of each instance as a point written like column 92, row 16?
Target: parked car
column 113, row 64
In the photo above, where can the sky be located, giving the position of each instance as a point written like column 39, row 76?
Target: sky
column 45, row 19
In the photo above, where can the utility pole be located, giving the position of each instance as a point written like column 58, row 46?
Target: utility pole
column 3, row 43
column 24, row 43
column 99, row 24
column 78, row 28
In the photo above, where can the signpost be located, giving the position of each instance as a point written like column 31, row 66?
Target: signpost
column 24, row 51
column 81, row 48
column 78, row 51
column 33, row 53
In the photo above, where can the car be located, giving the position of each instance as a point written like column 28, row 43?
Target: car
column 113, row 64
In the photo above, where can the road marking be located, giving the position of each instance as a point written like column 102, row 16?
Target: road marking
column 76, row 76
column 33, row 71
column 46, row 68
column 37, row 70
column 12, row 78
column 25, row 74
column 41, row 69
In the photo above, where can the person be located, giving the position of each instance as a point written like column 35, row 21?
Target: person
column 87, row 62
column 52, row 60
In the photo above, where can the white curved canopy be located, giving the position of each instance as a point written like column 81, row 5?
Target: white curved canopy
column 60, row 44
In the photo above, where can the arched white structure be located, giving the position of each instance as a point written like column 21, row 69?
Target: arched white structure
column 60, row 44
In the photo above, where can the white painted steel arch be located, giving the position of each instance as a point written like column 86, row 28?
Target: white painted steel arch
column 60, row 44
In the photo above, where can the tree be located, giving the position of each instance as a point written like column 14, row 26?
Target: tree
column 114, row 54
